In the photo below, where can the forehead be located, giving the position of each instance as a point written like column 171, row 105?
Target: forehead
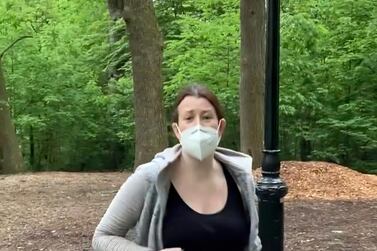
column 191, row 103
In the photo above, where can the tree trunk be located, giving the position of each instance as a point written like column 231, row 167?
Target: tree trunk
column 32, row 147
column 115, row 8
column 305, row 149
column 10, row 153
column 146, row 45
column 252, row 78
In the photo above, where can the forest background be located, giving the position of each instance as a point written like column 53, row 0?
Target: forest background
column 70, row 91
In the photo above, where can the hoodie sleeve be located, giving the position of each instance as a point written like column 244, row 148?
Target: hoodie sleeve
column 255, row 244
column 122, row 214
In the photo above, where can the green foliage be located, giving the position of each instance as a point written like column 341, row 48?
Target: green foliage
column 328, row 66
column 64, row 114
column 71, row 93
column 205, row 49
column 329, row 81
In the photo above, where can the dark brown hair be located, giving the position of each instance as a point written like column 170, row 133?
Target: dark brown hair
column 200, row 91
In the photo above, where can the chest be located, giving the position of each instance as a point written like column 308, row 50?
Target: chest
column 226, row 229
column 204, row 199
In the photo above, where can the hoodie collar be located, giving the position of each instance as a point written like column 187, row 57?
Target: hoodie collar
column 237, row 160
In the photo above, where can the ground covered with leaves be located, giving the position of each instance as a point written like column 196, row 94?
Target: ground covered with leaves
column 328, row 207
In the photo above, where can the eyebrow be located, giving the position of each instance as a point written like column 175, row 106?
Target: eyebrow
column 204, row 111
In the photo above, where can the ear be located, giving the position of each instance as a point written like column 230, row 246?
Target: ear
column 175, row 130
column 222, row 125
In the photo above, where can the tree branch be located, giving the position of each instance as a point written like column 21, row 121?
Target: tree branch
column 12, row 44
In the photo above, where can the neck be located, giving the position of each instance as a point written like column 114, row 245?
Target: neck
column 193, row 168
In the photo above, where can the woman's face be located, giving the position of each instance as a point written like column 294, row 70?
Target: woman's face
column 193, row 111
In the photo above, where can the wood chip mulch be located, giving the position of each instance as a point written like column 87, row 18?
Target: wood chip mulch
column 326, row 181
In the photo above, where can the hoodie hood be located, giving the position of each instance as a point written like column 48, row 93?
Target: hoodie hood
column 236, row 159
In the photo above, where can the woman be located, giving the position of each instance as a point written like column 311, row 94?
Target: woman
column 194, row 196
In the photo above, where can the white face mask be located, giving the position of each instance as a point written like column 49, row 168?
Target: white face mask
column 199, row 142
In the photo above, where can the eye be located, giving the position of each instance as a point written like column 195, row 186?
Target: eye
column 207, row 117
column 188, row 118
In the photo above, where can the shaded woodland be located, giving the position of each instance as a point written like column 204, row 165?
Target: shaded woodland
column 75, row 95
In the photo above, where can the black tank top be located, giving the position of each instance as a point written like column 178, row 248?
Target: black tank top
column 227, row 229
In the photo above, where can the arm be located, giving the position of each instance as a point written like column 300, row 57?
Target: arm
column 122, row 214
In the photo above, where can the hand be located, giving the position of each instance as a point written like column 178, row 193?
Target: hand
column 172, row 249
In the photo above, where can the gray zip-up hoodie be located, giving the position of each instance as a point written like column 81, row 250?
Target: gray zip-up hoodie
column 141, row 201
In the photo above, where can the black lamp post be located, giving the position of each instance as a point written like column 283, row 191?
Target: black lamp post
column 270, row 188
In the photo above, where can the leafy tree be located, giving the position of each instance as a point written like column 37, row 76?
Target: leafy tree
column 336, row 64
column 145, row 42
column 71, row 92
column 10, row 154
column 206, row 49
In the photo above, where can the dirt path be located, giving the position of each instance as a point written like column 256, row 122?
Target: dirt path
column 59, row 211
column 331, row 225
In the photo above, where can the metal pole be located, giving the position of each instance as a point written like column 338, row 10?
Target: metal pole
column 270, row 188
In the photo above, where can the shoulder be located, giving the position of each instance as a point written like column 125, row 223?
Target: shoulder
column 144, row 174
column 235, row 159
column 148, row 172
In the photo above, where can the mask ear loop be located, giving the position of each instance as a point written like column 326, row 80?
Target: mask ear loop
column 177, row 127
column 179, row 131
column 218, row 133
